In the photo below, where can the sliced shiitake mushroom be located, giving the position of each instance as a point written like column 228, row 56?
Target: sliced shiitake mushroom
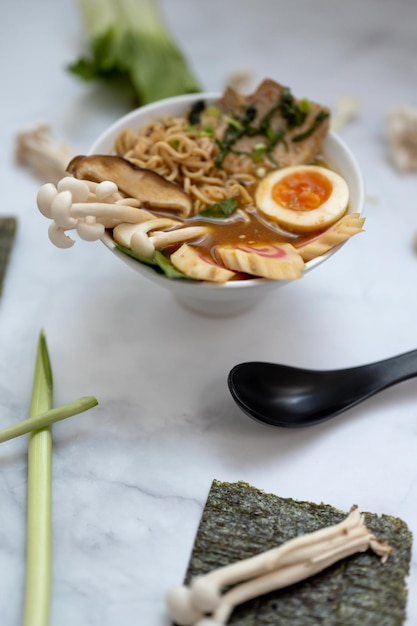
column 148, row 187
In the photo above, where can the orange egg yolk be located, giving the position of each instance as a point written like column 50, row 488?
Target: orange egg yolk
column 302, row 191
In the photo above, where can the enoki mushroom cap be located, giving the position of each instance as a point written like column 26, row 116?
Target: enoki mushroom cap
column 79, row 189
column 205, row 594
column 44, row 198
column 105, row 189
column 90, row 230
column 180, row 608
column 58, row 237
column 141, row 244
column 60, row 210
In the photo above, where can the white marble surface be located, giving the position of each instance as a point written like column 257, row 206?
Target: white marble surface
column 131, row 477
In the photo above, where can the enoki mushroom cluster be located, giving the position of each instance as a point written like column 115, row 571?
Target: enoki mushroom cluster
column 89, row 208
column 205, row 603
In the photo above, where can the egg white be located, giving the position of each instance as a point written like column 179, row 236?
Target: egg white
column 303, row 221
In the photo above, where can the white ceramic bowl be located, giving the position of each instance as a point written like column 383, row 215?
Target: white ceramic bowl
column 232, row 297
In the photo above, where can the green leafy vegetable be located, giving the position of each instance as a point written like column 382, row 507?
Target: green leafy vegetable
column 221, row 209
column 138, row 257
column 159, row 262
column 167, row 267
column 130, row 43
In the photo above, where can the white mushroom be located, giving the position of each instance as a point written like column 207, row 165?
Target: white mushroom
column 313, row 558
column 88, row 207
column 162, row 240
column 131, row 202
column 44, row 198
column 402, row 137
column 61, row 208
column 36, row 149
column 79, row 189
column 89, row 229
column 106, row 210
column 180, row 609
column 105, row 189
column 58, row 237
column 122, row 233
column 91, row 207
column 291, row 562
column 142, row 245
column 146, row 246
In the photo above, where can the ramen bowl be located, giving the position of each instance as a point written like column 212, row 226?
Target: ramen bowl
column 233, row 296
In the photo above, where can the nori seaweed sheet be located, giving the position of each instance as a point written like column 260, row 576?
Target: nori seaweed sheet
column 7, row 234
column 240, row 521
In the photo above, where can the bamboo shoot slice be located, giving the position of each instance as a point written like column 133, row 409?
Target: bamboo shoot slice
column 346, row 227
column 192, row 262
column 276, row 262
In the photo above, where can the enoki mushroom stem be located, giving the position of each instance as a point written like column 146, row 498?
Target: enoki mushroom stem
column 274, row 569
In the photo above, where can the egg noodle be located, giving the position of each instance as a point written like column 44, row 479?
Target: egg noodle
column 183, row 154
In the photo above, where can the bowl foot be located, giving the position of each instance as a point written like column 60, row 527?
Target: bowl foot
column 215, row 308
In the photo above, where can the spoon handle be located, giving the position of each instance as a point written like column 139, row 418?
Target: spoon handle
column 395, row 369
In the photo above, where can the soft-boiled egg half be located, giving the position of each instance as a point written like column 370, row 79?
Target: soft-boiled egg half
column 303, row 198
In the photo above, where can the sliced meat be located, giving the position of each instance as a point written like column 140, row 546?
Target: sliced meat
column 292, row 130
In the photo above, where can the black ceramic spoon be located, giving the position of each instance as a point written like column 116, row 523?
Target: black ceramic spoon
column 290, row 397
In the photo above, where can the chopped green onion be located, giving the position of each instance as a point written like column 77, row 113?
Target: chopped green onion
column 258, row 151
column 305, row 105
column 213, row 111
column 233, row 122
column 48, row 418
column 207, row 131
column 174, row 143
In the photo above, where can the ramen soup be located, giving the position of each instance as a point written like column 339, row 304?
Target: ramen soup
column 233, row 190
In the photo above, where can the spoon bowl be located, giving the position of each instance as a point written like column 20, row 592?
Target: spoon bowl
column 291, row 397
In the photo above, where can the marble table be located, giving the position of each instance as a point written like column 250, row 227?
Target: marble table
column 130, row 478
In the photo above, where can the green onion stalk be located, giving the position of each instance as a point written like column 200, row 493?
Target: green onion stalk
column 39, row 491
column 39, row 498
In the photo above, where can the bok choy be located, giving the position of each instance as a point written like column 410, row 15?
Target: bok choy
column 131, row 45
